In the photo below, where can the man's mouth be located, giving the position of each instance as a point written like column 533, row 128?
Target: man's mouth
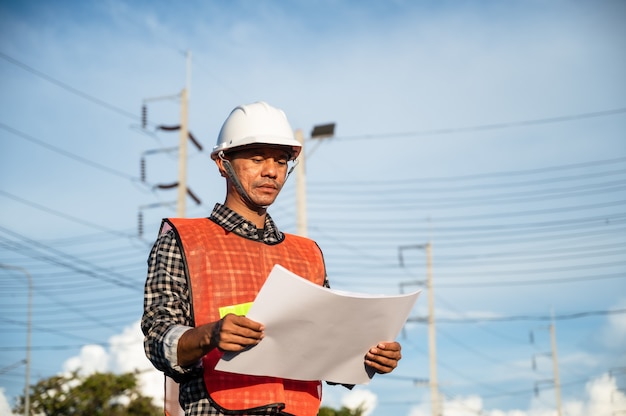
column 268, row 186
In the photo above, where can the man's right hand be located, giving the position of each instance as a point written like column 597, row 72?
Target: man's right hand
column 231, row 333
column 237, row 333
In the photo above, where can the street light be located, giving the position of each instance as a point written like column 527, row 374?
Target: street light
column 322, row 131
column 28, row 333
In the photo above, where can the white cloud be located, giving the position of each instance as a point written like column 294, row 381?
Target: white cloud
column 92, row 359
column 602, row 398
column 126, row 350
column 125, row 354
column 460, row 406
column 5, row 408
column 614, row 334
column 360, row 397
column 605, row 397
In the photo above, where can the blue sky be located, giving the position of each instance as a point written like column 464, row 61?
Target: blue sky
column 496, row 131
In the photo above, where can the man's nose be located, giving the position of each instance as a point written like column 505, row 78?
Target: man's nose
column 270, row 168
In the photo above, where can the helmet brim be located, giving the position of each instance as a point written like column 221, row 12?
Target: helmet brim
column 293, row 145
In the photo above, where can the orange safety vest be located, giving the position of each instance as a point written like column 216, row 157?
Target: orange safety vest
column 225, row 269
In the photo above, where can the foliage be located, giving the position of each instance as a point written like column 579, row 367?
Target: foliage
column 344, row 411
column 107, row 394
column 100, row 394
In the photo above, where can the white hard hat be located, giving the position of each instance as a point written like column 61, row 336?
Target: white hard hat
column 257, row 123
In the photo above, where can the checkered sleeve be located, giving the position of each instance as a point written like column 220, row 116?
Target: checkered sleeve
column 166, row 303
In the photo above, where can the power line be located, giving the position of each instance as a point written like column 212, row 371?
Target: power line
column 512, row 173
column 68, row 154
column 72, row 262
column 534, row 282
column 464, row 194
column 115, row 302
column 473, row 239
column 484, row 328
column 80, row 159
column 562, row 317
column 69, row 88
column 570, row 383
column 53, row 331
column 410, row 201
column 486, row 127
column 394, row 186
column 431, row 132
column 447, row 233
column 559, row 225
column 12, row 366
column 53, row 347
column 64, row 215
column 573, row 256
column 560, row 210
column 487, row 357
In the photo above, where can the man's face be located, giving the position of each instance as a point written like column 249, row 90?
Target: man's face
column 262, row 172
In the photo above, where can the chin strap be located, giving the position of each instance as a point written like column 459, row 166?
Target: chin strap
column 295, row 163
column 233, row 177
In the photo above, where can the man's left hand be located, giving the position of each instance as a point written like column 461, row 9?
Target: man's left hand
column 384, row 357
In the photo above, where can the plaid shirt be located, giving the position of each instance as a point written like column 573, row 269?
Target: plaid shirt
column 167, row 311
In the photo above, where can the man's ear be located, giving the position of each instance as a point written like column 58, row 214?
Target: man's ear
column 220, row 166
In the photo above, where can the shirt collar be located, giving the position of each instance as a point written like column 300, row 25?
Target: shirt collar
column 233, row 222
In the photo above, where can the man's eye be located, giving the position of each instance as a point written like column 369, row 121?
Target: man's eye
column 282, row 162
column 257, row 159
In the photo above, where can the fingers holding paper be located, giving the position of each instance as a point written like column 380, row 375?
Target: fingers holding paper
column 237, row 333
column 384, row 357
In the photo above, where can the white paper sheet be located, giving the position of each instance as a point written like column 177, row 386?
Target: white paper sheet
column 315, row 333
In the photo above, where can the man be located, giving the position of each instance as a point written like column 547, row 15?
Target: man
column 199, row 266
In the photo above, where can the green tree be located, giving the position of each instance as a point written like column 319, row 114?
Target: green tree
column 344, row 411
column 100, row 394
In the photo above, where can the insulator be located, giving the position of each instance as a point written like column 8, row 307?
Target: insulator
column 144, row 116
column 194, row 196
column 140, row 224
column 143, row 170
column 168, row 128
column 194, row 141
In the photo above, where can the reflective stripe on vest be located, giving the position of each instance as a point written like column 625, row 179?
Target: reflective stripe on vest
column 225, row 269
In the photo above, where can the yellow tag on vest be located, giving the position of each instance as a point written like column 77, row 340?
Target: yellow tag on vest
column 241, row 309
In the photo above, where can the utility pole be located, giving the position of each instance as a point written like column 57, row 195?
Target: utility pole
column 432, row 342
column 182, row 157
column 321, row 131
column 613, row 372
column 182, row 150
column 301, row 220
column 555, row 367
column 29, row 331
column 184, row 135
